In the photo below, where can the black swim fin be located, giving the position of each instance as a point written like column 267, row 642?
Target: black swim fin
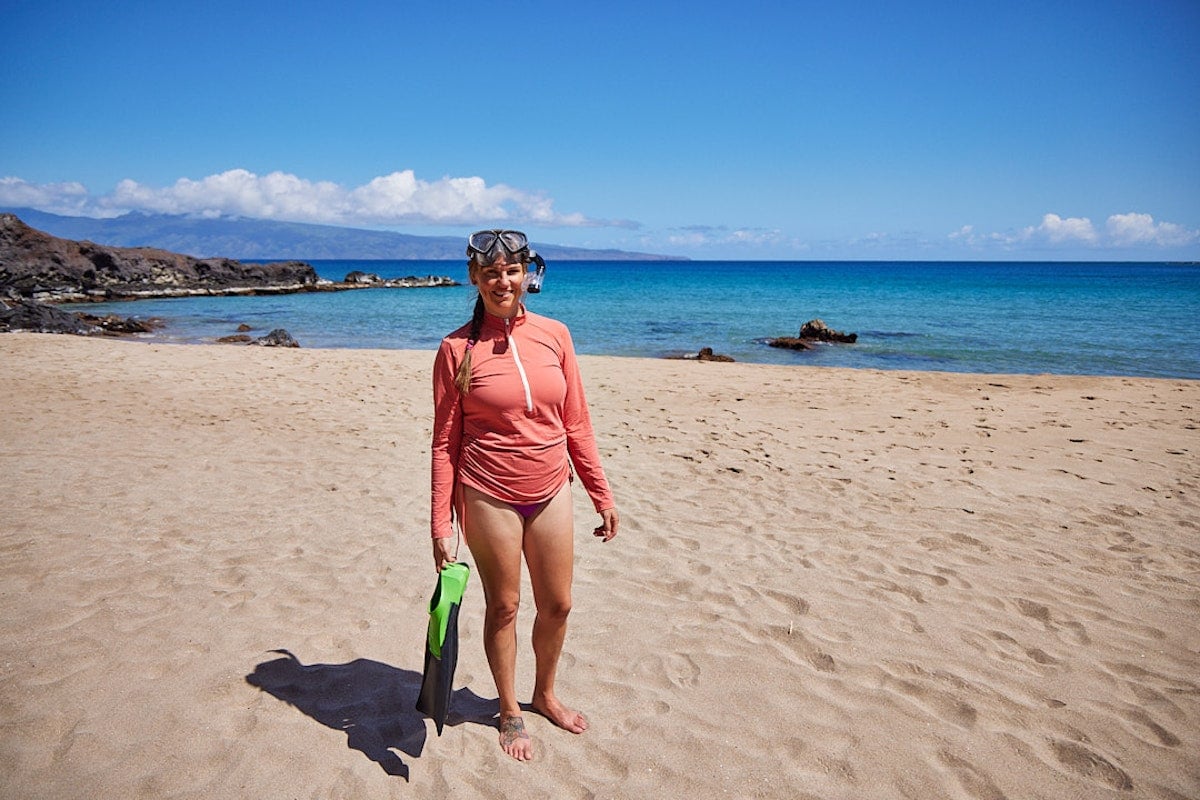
column 441, row 643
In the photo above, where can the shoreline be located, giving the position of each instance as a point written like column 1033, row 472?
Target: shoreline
column 891, row 583
column 155, row 338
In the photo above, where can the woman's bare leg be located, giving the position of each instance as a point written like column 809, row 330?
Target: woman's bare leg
column 550, row 555
column 494, row 533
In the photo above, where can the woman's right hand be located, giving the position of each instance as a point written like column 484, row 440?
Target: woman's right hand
column 443, row 553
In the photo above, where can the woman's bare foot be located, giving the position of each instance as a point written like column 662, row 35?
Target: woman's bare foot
column 566, row 718
column 513, row 738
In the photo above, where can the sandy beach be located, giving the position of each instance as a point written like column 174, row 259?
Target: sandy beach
column 829, row 584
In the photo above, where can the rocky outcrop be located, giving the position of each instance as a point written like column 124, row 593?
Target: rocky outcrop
column 366, row 278
column 35, row 317
column 39, row 266
column 789, row 343
column 812, row 331
column 705, row 354
column 21, row 314
column 369, row 280
column 816, row 330
column 112, row 323
column 277, row 338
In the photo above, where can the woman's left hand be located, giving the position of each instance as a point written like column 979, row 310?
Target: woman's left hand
column 443, row 554
column 607, row 529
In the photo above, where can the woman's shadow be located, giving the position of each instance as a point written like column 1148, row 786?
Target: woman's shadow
column 373, row 703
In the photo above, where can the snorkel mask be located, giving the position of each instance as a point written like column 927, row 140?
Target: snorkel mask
column 514, row 243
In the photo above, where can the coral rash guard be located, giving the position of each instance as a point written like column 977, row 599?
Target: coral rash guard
column 511, row 435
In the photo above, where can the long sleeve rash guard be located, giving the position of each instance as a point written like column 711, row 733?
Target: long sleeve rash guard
column 510, row 437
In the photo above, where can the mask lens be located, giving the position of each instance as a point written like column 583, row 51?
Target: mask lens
column 482, row 241
column 514, row 241
column 487, row 243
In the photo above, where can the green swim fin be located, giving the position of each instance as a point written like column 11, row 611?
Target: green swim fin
column 441, row 643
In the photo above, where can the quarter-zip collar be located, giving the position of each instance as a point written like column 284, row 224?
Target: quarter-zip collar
column 502, row 324
column 507, row 325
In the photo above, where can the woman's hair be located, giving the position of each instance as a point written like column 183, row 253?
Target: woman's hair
column 462, row 378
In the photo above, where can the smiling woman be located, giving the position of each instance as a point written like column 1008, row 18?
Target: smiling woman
column 511, row 429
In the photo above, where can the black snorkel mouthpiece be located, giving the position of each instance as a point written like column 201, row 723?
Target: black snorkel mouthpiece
column 533, row 283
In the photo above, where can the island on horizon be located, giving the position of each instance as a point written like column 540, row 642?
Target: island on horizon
column 243, row 238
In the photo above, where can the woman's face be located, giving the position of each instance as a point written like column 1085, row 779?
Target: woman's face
column 500, row 285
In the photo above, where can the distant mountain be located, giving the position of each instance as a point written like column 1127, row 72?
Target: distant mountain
column 243, row 238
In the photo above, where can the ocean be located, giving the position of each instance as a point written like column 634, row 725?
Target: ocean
column 1135, row 319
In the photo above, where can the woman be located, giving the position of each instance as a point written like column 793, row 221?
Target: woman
column 510, row 420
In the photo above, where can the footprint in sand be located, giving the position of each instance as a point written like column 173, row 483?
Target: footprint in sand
column 974, row 783
column 962, row 538
column 943, row 705
column 682, row 670
column 792, row 604
column 1161, row 736
column 1041, row 656
column 674, row 670
column 1010, row 648
column 822, row 661
column 936, row 580
column 839, row 769
column 1074, row 631
column 1083, row 761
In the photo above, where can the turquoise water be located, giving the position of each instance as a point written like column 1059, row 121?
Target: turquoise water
column 1063, row 318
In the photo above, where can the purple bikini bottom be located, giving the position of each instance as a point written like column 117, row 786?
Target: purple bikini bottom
column 527, row 510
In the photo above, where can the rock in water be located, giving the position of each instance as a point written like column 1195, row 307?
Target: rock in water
column 277, row 338
column 789, row 343
column 112, row 323
column 812, row 331
column 707, row 354
column 818, row 330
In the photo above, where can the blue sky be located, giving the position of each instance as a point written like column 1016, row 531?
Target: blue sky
column 772, row 130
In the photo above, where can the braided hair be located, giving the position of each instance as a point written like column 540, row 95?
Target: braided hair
column 462, row 378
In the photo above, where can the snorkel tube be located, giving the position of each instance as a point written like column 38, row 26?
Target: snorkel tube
column 533, row 284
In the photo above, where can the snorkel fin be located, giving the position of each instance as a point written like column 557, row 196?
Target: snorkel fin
column 533, row 284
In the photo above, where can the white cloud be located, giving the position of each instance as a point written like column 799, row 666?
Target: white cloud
column 1141, row 229
column 237, row 192
column 967, row 235
column 56, row 198
column 398, row 198
column 1121, row 231
column 1056, row 230
column 708, row 236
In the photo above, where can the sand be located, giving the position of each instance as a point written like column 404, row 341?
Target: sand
column 214, row 563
